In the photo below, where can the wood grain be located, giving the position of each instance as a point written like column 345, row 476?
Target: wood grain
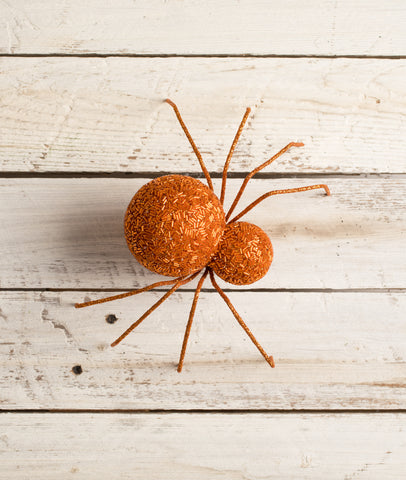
column 167, row 27
column 107, row 114
column 251, row 447
column 68, row 233
column 331, row 309
column 332, row 351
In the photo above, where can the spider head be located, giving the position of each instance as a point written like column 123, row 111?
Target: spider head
column 244, row 254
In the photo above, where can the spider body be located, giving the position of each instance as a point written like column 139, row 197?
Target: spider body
column 244, row 254
column 173, row 225
column 176, row 226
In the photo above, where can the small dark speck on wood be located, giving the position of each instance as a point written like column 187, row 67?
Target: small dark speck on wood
column 111, row 318
column 77, row 369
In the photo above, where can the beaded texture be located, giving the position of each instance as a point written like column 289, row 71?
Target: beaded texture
column 173, row 225
column 244, row 254
column 176, row 226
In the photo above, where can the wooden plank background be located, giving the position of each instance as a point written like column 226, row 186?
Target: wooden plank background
column 333, row 351
column 157, row 27
column 83, row 125
column 107, row 114
column 352, row 239
column 168, row 446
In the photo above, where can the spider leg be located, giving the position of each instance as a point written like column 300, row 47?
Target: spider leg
column 230, row 154
column 190, row 321
column 192, row 143
column 128, row 294
column 178, row 283
column 256, row 170
column 268, row 358
column 277, row 192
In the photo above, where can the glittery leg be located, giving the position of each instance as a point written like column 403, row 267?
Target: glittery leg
column 278, row 192
column 178, row 284
column 256, row 170
column 267, row 357
column 230, row 154
column 190, row 321
column 192, row 143
column 128, row 294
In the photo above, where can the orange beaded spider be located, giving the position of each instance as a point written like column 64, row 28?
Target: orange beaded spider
column 176, row 226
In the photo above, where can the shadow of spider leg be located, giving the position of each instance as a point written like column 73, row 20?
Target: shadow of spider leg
column 177, row 282
column 256, row 170
column 278, row 192
column 192, row 143
column 267, row 357
column 190, row 321
column 128, row 294
column 230, row 154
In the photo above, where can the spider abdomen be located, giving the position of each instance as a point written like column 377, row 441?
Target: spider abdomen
column 244, row 254
column 173, row 225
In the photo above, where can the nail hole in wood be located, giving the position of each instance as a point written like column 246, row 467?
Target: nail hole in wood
column 77, row 369
column 111, row 318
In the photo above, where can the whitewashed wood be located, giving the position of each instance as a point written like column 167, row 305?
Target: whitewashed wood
column 196, row 446
column 93, row 114
column 228, row 27
column 332, row 351
column 68, row 233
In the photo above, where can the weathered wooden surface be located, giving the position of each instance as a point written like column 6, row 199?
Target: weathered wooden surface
column 332, row 351
column 260, row 27
column 93, row 114
column 195, row 446
column 68, row 233
column 331, row 310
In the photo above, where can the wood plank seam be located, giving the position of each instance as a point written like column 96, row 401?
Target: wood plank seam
column 198, row 55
